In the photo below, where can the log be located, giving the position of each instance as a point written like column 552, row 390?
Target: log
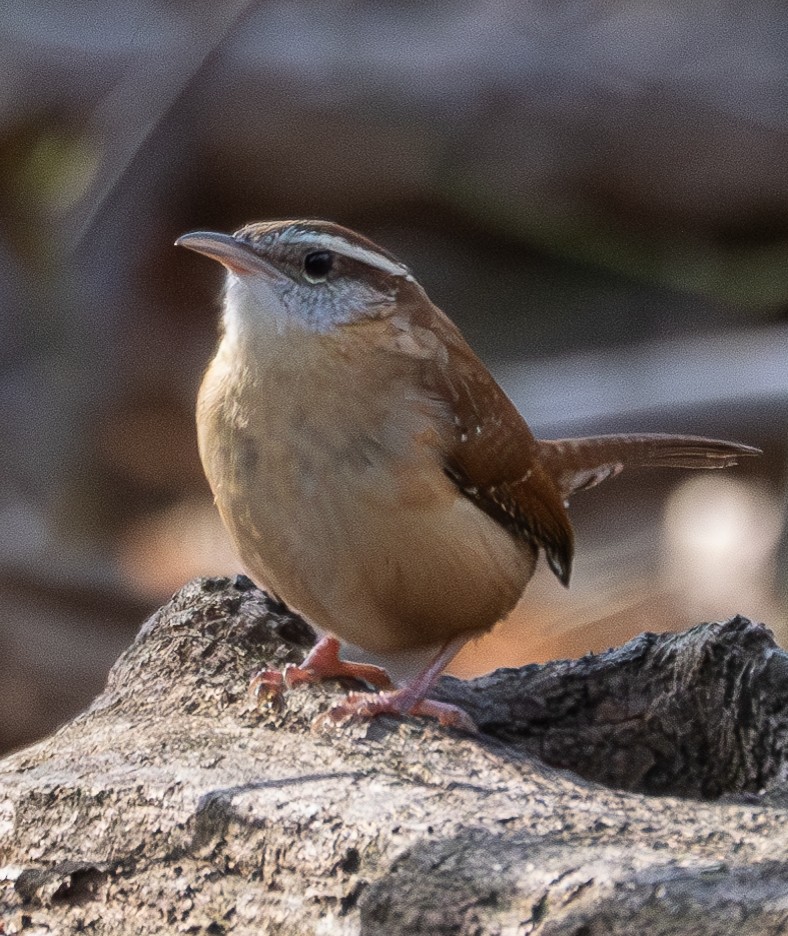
column 641, row 790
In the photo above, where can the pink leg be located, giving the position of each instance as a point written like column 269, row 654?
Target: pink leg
column 322, row 662
column 410, row 700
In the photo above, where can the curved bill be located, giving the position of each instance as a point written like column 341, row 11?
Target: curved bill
column 235, row 255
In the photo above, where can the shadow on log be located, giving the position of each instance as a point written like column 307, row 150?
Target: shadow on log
column 172, row 805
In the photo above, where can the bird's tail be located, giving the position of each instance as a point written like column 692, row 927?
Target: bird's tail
column 579, row 464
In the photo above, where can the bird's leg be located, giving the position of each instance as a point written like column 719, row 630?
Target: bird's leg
column 409, row 700
column 322, row 662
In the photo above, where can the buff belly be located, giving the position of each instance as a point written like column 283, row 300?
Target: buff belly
column 343, row 509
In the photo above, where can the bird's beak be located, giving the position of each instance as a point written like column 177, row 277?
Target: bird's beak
column 236, row 255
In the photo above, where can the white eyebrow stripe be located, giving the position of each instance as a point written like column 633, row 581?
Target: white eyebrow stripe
column 354, row 252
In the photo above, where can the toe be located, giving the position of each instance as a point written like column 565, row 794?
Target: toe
column 364, row 705
column 267, row 689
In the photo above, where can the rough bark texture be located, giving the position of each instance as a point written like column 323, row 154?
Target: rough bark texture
column 173, row 806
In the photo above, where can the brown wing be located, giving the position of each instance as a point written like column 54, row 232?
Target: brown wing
column 490, row 453
column 494, row 459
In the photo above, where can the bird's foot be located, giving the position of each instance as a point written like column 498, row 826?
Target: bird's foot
column 359, row 706
column 322, row 662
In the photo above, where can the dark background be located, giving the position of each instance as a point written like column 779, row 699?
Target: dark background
column 598, row 194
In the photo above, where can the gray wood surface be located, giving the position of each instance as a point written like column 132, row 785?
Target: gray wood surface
column 173, row 806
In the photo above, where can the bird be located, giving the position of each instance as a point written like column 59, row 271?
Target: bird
column 371, row 472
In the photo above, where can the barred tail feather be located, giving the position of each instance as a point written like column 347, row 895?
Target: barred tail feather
column 579, row 464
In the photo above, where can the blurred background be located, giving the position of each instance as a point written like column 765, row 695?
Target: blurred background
column 596, row 193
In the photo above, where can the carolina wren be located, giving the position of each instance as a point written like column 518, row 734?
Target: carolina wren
column 371, row 472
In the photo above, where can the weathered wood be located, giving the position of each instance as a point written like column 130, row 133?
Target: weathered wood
column 173, row 806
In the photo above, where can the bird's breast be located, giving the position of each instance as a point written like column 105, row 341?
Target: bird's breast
column 327, row 468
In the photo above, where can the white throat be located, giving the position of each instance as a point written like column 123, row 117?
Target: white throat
column 252, row 309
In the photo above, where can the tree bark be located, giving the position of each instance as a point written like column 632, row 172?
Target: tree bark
column 173, row 805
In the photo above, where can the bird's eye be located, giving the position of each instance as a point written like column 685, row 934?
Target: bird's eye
column 318, row 265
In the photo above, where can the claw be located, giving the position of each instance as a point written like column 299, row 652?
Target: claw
column 267, row 690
